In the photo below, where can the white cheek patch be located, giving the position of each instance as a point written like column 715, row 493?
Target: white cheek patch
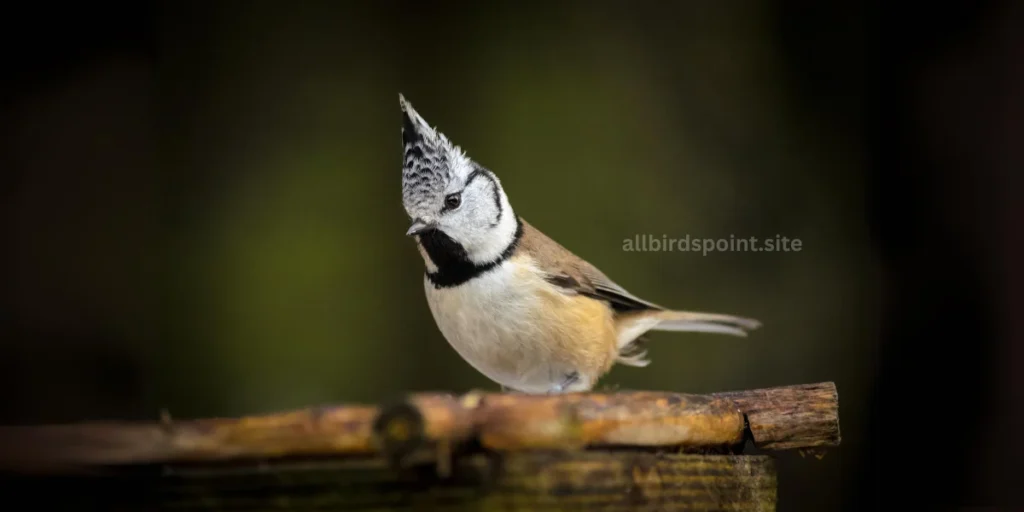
column 490, row 242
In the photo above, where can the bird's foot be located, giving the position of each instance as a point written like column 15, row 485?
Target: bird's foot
column 566, row 385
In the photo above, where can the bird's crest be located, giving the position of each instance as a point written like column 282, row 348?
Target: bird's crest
column 428, row 162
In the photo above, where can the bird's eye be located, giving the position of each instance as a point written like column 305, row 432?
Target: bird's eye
column 452, row 201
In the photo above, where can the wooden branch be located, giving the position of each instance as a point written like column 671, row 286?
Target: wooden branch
column 522, row 481
column 778, row 418
column 342, row 430
column 516, row 422
column 782, row 418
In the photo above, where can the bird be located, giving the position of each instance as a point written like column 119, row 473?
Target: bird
column 517, row 306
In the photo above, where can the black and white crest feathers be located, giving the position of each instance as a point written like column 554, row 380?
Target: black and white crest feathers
column 428, row 161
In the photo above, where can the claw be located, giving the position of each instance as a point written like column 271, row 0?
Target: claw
column 569, row 380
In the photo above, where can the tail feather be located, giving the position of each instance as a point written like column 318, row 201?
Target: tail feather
column 690, row 321
column 632, row 351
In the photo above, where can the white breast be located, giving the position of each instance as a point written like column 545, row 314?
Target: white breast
column 491, row 321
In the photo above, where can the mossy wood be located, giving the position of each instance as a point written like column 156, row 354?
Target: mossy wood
column 616, row 451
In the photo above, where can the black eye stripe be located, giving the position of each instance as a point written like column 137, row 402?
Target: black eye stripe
column 494, row 189
column 456, row 197
column 472, row 176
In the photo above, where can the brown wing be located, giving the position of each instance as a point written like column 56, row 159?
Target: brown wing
column 576, row 275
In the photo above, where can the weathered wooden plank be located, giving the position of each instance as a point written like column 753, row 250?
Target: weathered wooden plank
column 523, row 481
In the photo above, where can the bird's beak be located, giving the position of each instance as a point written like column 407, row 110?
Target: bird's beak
column 419, row 226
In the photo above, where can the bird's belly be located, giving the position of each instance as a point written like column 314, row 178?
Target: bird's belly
column 512, row 328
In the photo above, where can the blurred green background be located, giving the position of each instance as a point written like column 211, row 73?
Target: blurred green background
column 208, row 216
column 237, row 228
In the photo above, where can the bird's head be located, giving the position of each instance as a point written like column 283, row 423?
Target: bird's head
column 448, row 196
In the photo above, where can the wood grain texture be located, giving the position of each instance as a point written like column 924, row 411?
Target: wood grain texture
column 526, row 481
column 791, row 417
column 782, row 418
column 516, row 422
column 343, row 430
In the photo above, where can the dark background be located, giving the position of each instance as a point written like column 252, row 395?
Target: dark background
column 201, row 207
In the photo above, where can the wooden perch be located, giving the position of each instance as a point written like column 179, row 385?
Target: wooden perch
column 342, row 430
column 789, row 417
column 616, row 451
column 783, row 418
column 779, row 418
